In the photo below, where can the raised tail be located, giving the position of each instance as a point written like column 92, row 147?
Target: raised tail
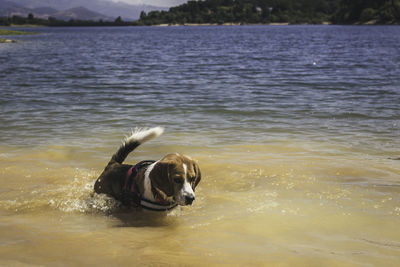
column 137, row 138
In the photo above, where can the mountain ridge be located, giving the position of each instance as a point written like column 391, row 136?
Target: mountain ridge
column 105, row 10
column 80, row 13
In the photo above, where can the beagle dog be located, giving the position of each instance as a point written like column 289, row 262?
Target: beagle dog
column 154, row 185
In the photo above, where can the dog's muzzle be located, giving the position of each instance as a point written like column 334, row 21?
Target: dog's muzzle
column 189, row 200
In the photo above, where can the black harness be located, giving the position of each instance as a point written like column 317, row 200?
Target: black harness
column 130, row 192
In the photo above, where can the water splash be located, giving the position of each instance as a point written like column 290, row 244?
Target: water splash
column 76, row 196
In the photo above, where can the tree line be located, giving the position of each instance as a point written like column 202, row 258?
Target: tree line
column 53, row 22
column 361, row 11
column 277, row 11
column 248, row 12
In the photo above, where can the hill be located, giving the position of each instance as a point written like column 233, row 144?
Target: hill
column 109, row 8
column 8, row 8
column 204, row 12
column 80, row 13
column 277, row 11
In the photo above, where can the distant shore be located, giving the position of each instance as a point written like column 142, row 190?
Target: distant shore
column 133, row 24
column 256, row 24
column 3, row 40
column 25, row 26
column 370, row 23
column 215, row 24
column 13, row 32
column 4, row 32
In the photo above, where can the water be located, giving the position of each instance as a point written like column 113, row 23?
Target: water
column 296, row 130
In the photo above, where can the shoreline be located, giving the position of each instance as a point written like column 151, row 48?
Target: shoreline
column 6, row 41
column 368, row 23
column 6, row 32
column 223, row 24
column 25, row 26
column 13, row 32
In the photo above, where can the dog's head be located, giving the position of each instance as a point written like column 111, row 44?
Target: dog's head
column 175, row 178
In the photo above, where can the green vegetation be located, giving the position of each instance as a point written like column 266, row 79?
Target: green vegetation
column 31, row 20
column 248, row 12
column 244, row 12
column 9, row 32
column 277, row 11
column 368, row 11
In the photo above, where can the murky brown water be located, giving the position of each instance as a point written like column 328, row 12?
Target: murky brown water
column 279, row 203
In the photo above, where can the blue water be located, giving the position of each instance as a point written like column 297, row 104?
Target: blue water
column 296, row 130
column 329, row 83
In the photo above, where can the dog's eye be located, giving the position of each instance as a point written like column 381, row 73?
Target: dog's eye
column 178, row 180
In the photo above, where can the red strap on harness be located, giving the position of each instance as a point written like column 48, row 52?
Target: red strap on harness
column 128, row 176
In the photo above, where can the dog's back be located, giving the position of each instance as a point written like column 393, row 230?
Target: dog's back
column 111, row 180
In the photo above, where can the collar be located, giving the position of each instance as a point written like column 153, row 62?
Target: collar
column 149, row 205
column 132, row 196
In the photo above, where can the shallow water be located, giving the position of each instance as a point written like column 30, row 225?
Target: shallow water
column 296, row 130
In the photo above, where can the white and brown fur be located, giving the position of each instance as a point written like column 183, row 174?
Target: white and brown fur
column 174, row 177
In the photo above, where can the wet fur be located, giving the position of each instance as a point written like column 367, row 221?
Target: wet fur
column 167, row 176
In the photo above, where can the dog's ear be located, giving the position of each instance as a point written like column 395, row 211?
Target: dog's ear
column 198, row 174
column 161, row 180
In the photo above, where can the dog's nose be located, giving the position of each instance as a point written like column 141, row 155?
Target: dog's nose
column 189, row 200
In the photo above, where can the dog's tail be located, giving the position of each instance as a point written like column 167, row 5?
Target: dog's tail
column 137, row 138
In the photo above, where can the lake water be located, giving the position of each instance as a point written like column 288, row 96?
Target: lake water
column 296, row 130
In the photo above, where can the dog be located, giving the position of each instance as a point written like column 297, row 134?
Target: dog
column 153, row 185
